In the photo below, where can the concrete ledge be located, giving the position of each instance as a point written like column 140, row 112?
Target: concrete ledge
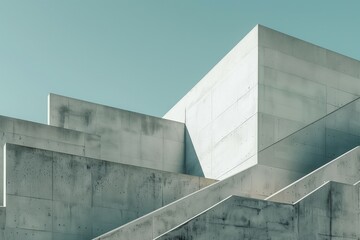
column 77, row 197
column 126, row 137
column 344, row 169
column 45, row 137
column 258, row 182
column 331, row 210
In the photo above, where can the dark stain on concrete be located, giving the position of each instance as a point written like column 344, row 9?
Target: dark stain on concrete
column 63, row 111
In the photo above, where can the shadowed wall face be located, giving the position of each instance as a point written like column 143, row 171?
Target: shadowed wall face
column 126, row 137
column 266, row 88
column 333, row 210
column 59, row 196
column 220, row 113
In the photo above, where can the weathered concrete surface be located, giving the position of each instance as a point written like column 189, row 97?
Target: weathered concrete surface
column 258, row 182
column 317, row 143
column 51, row 195
column 297, row 77
column 344, row 169
column 126, row 137
column 2, row 222
column 240, row 218
column 45, row 137
column 267, row 87
column 331, row 212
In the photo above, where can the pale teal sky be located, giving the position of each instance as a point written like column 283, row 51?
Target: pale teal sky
column 142, row 56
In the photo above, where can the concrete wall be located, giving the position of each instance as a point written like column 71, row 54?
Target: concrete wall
column 220, row 114
column 298, row 83
column 126, row 137
column 317, row 143
column 53, row 195
column 344, row 169
column 257, row 182
column 46, row 137
column 240, row 218
column 269, row 86
column 332, row 212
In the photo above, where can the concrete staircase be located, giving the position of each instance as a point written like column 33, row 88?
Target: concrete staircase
column 344, row 169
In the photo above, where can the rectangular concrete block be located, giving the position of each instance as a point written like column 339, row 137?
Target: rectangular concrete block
column 125, row 137
column 30, row 177
column 29, row 213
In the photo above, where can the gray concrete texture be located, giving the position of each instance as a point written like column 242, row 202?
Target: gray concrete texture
column 51, row 195
column 257, row 182
column 331, row 212
column 344, row 169
column 46, row 137
column 317, row 143
column 126, row 137
column 267, row 87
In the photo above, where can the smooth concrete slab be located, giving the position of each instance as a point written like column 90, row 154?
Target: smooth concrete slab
column 44, row 137
column 126, row 137
column 52, row 195
column 317, row 143
column 285, row 82
column 344, row 169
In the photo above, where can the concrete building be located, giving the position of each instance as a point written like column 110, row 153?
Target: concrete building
column 265, row 146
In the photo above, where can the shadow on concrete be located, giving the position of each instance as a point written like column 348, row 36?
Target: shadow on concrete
column 192, row 163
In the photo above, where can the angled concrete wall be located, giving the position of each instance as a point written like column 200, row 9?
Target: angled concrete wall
column 344, row 169
column 239, row 218
column 46, row 137
column 257, row 182
column 269, row 86
column 298, row 83
column 332, row 212
column 51, row 195
column 317, row 143
column 220, row 114
column 126, row 137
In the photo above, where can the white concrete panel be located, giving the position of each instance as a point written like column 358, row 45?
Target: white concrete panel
column 308, row 52
column 291, row 83
column 124, row 136
column 235, row 116
column 241, row 80
column 289, row 106
column 235, row 148
column 233, row 59
column 200, row 113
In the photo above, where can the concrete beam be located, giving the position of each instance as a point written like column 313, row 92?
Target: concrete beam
column 126, row 137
